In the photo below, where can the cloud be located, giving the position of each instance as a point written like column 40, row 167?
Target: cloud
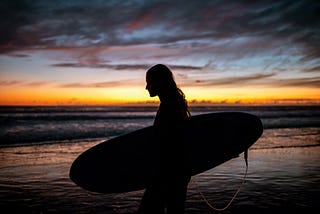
column 19, row 55
column 140, row 22
column 122, row 66
column 269, row 80
column 39, row 24
column 313, row 69
column 101, row 65
column 24, row 83
column 106, row 84
column 312, row 82
column 229, row 81
column 10, row 82
column 36, row 83
column 247, row 37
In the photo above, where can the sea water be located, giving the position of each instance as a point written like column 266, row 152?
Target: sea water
column 38, row 145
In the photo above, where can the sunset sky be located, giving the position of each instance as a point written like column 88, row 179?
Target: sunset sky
column 97, row 52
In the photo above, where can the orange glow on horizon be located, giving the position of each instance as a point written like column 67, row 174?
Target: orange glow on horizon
column 138, row 95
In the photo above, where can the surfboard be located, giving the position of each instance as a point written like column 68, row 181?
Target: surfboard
column 123, row 164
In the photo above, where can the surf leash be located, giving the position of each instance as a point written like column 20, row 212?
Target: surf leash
column 210, row 204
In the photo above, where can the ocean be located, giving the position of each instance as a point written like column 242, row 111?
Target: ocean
column 38, row 145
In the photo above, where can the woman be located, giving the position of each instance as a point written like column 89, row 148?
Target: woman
column 167, row 190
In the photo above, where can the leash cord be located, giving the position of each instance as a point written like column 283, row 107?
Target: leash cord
column 210, row 204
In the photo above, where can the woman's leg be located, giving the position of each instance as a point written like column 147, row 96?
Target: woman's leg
column 176, row 196
column 152, row 201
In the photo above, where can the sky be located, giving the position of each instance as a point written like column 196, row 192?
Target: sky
column 79, row 52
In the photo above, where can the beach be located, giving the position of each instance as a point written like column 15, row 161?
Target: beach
column 283, row 174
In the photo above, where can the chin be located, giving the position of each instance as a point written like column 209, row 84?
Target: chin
column 152, row 94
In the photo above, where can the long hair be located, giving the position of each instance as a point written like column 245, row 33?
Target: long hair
column 163, row 74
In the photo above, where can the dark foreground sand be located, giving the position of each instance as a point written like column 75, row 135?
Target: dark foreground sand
column 34, row 179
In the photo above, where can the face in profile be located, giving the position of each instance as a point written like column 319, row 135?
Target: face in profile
column 160, row 81
column 152, row 86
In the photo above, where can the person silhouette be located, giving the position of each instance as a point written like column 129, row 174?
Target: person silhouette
column 166, row 191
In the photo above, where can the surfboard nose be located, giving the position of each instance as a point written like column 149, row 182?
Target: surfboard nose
column 80, row 170
column 74, row 172
column 81, row 174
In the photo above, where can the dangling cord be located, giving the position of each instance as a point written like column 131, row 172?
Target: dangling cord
column 235, row 194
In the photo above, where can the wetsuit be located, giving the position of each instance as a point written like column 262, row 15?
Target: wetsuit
column 167, row 190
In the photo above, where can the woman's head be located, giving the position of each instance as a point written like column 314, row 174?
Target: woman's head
column 160, row 80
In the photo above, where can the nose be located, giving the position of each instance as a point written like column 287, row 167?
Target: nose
column 148, row 86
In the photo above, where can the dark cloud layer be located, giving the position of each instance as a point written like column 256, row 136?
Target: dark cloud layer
column 106, row 84
column 122, row 66
column 313, row 69
column 24, row 83
column 47, row 24
column 233, row 81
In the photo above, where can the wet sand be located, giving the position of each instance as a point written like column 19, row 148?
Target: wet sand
column 34, row 179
